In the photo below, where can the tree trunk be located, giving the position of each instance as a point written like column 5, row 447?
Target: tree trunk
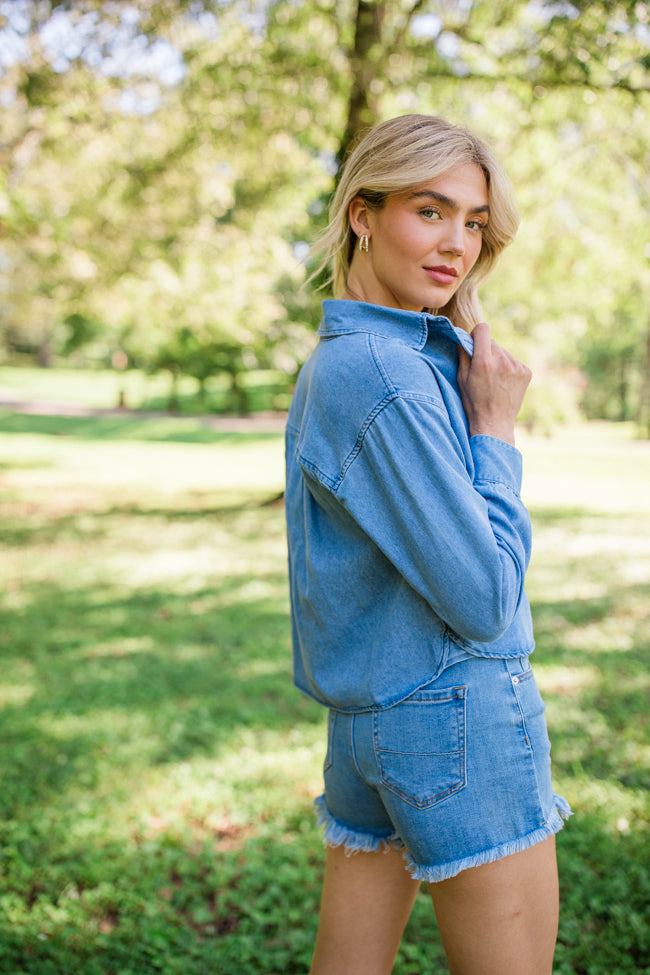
column 366, row 59
column 44, row 350
column 173, row 402
column 377, row 33
column 643, row 408
column 239, row 404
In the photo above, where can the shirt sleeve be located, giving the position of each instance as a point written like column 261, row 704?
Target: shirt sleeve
column 453, row 525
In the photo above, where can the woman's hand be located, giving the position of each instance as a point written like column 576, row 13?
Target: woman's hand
column 492, row 386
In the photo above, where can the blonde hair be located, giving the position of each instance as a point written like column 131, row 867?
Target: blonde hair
column 403, row 153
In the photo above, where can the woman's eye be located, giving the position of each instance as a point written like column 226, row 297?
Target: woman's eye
column 430, row 213
column 475, row 225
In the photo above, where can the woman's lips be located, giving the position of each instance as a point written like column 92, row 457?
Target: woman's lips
column 442, row 274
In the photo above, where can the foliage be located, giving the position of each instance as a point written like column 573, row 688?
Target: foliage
column 157, row 765
column 79, row 391
column 165, row 166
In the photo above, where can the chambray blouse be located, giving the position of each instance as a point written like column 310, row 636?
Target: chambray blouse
column 408, row 540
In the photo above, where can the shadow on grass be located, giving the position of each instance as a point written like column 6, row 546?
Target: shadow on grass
column 604, row 882
column 193, row 667
column 170, row 905
column 181, row 672
column 599, row 681
column 92, row 526
column 242, row 906
column 117, row 681
column 126, row 427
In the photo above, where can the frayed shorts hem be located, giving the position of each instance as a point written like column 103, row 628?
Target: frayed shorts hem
column 355, row 841
column 434, row 874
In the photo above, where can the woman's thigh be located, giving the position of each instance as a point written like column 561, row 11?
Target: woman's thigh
column 503, row 916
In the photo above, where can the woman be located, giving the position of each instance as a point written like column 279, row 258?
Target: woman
column 408, row 548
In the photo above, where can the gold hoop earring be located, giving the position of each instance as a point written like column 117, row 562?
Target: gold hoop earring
column 363, row 243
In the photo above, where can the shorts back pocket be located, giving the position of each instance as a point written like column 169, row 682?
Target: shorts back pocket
column 420, row 745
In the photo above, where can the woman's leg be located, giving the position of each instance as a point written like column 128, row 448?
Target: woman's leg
column 501, row 917
column 497, row 918
column 367, row 899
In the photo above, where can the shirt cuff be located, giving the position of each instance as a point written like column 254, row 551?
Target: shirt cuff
column 496, row 462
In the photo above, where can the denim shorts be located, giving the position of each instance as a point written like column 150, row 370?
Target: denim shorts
column 456, row 775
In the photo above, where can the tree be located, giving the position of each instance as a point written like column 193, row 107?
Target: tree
column 186, row 189
column 564, row 82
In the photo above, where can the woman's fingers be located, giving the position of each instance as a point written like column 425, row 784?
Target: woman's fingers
column 492, row 384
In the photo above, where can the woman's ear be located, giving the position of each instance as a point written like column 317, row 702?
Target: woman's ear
column 358, row 216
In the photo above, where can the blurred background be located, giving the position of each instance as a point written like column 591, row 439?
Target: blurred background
column 166, row 165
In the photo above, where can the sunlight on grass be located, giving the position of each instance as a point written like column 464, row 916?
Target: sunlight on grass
column 142, row 472
column 258, row 668
column 123, row 647
column 605, row 635
column 159, row 768
column 603, row 472
column 15, row 694
column 564, row 681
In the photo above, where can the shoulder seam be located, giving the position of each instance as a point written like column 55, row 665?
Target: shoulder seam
column 370, row 420
column 376, row 358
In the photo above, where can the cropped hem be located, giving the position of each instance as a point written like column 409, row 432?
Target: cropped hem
column 353, row 840
column 434, row 874
column 477, row 649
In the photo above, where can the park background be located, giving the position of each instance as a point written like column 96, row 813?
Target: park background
column 164, row 168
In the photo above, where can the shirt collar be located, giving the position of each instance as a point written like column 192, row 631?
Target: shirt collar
column 341, row 317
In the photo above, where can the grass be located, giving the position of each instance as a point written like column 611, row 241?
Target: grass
column 157, row 765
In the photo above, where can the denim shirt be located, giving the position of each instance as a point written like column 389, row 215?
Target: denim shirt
column 408, row 540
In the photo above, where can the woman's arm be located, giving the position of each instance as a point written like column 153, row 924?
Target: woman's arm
column 451, row 522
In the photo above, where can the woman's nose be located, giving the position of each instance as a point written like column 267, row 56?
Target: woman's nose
column 454, row 242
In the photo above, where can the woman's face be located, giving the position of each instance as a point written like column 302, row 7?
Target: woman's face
column 422, row 243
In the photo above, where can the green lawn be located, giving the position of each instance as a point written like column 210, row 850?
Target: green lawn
column 158, row 767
